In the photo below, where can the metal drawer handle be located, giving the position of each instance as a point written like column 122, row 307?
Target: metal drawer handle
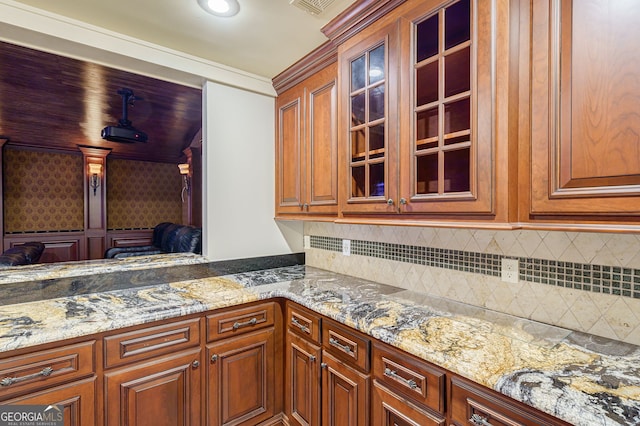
column 477, row 419
column 339, row 345
column 302, row 327
column 409, row 382
column 237, row 325
column 8, row 381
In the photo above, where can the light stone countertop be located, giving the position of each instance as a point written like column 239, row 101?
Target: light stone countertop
column 579, row 378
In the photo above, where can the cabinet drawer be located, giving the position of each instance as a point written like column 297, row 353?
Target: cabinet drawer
column 472, row 404
column 347, row 345
column 42, row 369
column 303, row 322
column 388, row 409
column 239, row 321
column 409, row 377
column 148, row 342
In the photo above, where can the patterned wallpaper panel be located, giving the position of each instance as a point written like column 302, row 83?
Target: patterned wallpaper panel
column 142, row 194
column 42, row 191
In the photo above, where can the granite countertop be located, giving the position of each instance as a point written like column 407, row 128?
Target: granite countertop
column 579, row 378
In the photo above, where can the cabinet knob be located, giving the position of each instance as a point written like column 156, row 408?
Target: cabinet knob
column 312, row 358
column 403, row 201
column 390, row 201
column 214, row 358
column 323, row 365
column 306, row 206
column 195, row 364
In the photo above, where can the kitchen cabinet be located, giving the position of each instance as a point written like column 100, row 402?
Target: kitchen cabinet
column 62, row 376
column 302, row 367
column 307, row 147
column 162, row 391
column 473, row 404
column 584, row 108
column 420, row 127
column 242, row 381
column 153, row 375
column 345, row 376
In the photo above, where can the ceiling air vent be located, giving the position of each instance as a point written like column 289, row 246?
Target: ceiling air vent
column 314, row 7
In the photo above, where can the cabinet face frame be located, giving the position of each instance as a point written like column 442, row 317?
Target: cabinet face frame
column 565, row 177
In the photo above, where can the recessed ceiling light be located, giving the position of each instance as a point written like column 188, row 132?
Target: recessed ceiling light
column 224, row 8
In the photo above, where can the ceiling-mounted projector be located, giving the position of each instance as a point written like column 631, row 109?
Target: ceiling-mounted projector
column 124, row 131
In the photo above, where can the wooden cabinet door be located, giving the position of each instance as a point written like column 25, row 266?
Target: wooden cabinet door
column 290, row 113
column 453, row 143
column 585, row 107
column 307, row 146
column 345, row 394
column 321, row 137
column 165, row 391
column 389, row 409
column 367, row 126
column 77, row 401
column 302, row 381
column 241, row 379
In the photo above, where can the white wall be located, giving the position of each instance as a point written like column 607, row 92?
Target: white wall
column 239, row 179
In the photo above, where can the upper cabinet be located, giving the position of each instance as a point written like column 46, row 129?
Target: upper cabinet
column 369, row 121
column 307, row 147
column 419, row 128
column 584, row 133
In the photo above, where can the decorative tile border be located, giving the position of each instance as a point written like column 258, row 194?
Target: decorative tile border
column 580, row 276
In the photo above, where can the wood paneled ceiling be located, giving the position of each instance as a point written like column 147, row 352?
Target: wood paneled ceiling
column 53, row 102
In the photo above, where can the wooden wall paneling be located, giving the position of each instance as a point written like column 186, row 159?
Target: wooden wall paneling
column 95, row 218
column 126, row 238
column 2, row 142
column 59, row 246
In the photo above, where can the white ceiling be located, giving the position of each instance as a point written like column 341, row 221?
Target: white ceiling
column 265, row 38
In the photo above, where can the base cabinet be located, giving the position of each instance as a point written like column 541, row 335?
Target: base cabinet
column 164, row 391
column 302, row 376
column 241, row 379
column 345, row 394
column 389, row 409
column 76, row 400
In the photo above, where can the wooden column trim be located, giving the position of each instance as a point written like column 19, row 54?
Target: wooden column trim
column 2, row 142
column 187, row 203
column 95, row 204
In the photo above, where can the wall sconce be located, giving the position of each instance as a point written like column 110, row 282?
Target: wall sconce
column 185, row 172
column 94, row 176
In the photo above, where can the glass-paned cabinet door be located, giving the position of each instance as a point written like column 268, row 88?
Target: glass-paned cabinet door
column 443, row 101
column 365, row 120
column 367, row 128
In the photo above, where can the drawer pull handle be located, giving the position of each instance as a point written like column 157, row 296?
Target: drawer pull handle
column 477, row 419
column 8, row 381
column 237, row 325
column 339, row 345
column 302, row 327
column 409, row 382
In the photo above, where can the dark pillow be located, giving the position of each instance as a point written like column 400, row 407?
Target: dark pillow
column 24, row 254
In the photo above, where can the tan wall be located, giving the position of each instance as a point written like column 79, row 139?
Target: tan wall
column 42, row 191
column 582, row 307
column 142, row 194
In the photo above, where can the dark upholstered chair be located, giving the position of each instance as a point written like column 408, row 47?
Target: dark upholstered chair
column 167, row 238
column 23, row 254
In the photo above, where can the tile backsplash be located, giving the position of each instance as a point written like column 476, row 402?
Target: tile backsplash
column 583, row 281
